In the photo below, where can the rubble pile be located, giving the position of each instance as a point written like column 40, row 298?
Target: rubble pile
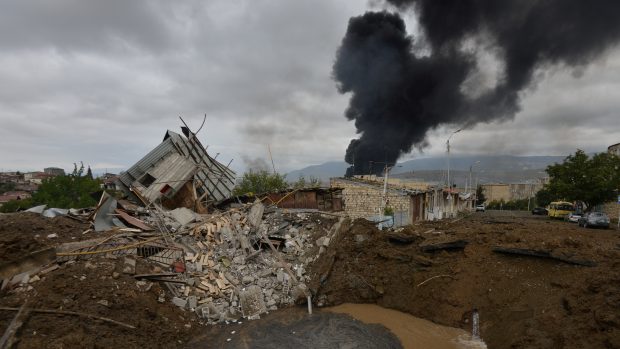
column 239, row 263
column 247, row 260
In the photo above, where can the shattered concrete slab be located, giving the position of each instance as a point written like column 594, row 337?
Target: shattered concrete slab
column 256, row 214
column 252, row 303
column 183, row 215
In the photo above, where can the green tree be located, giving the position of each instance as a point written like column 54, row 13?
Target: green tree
column 544, row 197
column 593, row 180
column 480, row 198
column 68, row 191
column 301, row 183
column 4, row 187
column 259, row 182
column 512, row 205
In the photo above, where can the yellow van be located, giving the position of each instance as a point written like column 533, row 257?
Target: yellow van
column 560, row 209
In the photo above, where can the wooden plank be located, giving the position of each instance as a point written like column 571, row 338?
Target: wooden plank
column 8, row 339
column 133, row 221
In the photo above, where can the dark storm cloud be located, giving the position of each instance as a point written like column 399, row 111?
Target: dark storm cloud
column 100, row 81
column 91, row 25
column 399, row 95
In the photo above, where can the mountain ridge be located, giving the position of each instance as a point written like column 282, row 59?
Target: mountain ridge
column 489, row 168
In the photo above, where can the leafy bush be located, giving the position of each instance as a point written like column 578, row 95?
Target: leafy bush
column 4, row 187
column 16, row 205
column 259, row 182
column 68, row 191
column 513, row 205
column 302, row 183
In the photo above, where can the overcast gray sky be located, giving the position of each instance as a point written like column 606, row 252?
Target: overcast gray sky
column 101, row 81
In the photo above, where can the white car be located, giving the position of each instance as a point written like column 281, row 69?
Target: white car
column 480, row 208
column 573, row 217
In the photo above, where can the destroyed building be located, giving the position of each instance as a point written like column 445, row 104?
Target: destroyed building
column 180, row 173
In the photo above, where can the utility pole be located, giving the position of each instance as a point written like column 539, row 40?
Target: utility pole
column 448, row 148
column 472, row 191
column 271, row 157
column 382, row 209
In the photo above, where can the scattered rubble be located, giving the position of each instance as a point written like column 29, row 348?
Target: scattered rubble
column 239, row 263
column 249, row 260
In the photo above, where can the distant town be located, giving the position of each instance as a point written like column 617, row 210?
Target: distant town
column 16, row 185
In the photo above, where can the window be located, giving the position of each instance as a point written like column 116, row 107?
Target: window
column 166, row 189
column 147, row 180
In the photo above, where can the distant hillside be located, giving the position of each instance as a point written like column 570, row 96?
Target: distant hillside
column 323, row 171
column 491, row 168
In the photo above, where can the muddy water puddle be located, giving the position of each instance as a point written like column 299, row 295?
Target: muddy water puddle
column 359, row 326
column 412, row 332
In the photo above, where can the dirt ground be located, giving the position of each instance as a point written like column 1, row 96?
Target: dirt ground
column 23, row 233
column 92, row 287
column 523, row 302
column 95, row 286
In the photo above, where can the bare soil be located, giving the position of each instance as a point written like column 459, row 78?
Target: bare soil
column 95, row 286
column 92, row 287
column 523, row 302
column 23, row 233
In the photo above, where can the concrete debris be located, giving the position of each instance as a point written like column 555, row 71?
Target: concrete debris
column 256, row 213
column 244, row 261
column 183, row 215
column 129, row 265
column 223, row 266
column 143, row 286
column 252, row 302
column 179, row 302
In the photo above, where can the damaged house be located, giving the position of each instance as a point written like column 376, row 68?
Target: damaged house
column 178, row 173
column 363, row 199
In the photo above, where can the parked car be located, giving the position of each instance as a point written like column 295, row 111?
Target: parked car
column 539, row 211
column 559, row 209
column 480, row 208
column 594, row 219
column 573, row 217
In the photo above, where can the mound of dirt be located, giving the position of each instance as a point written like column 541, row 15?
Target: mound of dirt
column 22, row 233
column 98, row 287
column 523, row 301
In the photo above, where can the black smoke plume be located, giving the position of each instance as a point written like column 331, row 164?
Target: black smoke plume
column 399, row 92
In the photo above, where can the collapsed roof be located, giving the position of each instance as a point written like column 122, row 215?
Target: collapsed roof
column 178, row 172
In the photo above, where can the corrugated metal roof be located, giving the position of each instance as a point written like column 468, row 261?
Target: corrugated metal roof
column 217, row 180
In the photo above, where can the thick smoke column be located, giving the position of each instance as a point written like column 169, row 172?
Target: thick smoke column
column 398, row 94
